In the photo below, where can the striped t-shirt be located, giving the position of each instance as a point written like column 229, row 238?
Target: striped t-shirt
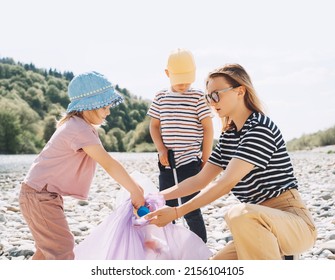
column 180, row 116
column 259, row 142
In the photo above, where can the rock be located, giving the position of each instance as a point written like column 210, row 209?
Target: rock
column 317, row 188
column 82, row 202
column 329, row 245
column 24, row 253
column 13, row 209
column 2, row 218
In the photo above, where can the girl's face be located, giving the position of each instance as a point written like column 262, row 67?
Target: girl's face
column 227, row 96
column 98, row 116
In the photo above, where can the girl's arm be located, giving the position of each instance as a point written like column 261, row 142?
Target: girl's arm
column 234, row 173
column 117, row 172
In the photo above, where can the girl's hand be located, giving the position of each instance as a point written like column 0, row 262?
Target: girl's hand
column 162, row 216
column 137, row 198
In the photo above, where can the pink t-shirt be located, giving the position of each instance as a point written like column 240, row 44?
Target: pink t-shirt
column 62, row 165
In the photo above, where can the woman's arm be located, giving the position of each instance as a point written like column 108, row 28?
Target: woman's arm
column 234, row 173
column 117, row 172
column 194, row 183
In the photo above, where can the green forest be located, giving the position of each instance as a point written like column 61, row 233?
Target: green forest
column 309, row 141
column 33, row 99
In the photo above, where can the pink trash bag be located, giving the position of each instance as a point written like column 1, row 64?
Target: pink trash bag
column 125, row 236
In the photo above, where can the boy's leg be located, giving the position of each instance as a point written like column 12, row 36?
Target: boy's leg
column 194, row 219
column 166, row 180
column 43, row 212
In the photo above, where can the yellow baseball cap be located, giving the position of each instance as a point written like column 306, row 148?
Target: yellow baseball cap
column 181, row 67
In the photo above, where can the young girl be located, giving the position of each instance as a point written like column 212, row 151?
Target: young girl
column 271, row 221
column 66, row 166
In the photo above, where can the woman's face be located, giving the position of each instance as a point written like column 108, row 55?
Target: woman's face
column 98, row 116
column 228, row 98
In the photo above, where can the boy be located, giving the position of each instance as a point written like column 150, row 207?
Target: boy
column 181, row 121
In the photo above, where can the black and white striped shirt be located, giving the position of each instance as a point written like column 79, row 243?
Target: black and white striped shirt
column 259, row 142
column 180, row 116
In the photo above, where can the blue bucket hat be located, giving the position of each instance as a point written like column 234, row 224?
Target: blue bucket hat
column 90, row 91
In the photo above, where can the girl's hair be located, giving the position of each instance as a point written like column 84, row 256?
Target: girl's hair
column 236, row 76
column 68, row 116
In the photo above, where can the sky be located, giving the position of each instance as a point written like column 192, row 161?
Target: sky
column 287, row 47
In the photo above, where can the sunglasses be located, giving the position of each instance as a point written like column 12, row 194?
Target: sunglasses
column 214, row 96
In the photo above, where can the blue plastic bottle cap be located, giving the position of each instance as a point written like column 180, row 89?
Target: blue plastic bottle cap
column 142, row 211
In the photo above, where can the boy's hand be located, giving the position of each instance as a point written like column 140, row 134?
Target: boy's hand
column 163, row 157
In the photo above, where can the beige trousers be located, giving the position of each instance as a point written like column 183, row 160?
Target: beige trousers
column 44, row 214
column 277, row 227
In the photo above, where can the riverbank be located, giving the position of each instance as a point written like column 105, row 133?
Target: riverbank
column 314, row 169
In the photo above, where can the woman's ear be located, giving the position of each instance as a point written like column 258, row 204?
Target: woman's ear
column 241, row 90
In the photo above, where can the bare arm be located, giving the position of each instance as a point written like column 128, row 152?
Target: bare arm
column 207, row 143
column 155, row 132
column 234, row 172
column 194, row 183
column 116, row 171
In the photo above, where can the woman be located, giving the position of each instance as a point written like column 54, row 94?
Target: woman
column 271, row 221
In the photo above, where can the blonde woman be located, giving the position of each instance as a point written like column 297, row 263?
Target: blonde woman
column 271, row 221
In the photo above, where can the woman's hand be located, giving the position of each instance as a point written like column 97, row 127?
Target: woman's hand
column 162, row 216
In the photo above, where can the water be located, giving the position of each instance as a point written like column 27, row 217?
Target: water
column 15, row 163
column 21, row 163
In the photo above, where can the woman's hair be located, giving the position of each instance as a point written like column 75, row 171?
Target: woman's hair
column 68, row 116
column 236, row 76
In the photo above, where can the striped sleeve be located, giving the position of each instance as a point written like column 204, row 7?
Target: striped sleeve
column 257, row 146
column 215, row 157
column 154, row 109
column 203, row 109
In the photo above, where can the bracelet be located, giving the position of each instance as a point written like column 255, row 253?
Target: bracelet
column 175, row 208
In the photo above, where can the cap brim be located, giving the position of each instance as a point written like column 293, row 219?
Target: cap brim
column 184, row 78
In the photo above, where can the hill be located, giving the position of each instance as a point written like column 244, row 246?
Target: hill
column 32, row 99
column 309, row 141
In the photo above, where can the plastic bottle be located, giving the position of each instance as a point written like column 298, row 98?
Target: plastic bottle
column 142, row 211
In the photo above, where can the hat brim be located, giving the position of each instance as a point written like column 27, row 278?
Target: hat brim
column 183, row 78
column 106, row 98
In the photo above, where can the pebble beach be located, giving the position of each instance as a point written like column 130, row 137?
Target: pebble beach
column 314, row 169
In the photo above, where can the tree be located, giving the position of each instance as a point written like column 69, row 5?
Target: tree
column 118, row 134
column 9, row 132
column 49, row 127
column 32, row 99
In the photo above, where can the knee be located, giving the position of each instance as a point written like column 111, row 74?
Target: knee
column 238, row 214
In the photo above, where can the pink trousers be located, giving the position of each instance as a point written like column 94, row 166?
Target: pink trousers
column 279, row 226
column 44, row 214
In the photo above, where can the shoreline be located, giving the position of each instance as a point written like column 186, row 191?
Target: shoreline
column 314, row 169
